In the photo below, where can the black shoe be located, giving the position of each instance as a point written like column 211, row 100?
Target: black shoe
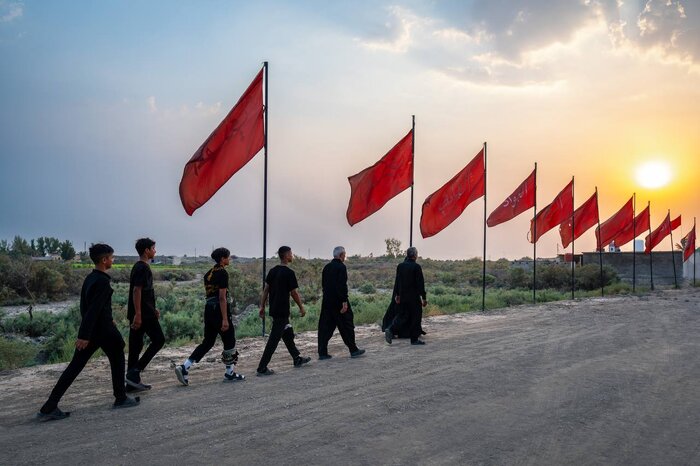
column 422, row 332
column 55, row 415
column 388, row 335
column 417, row 342
column 133, row 388
column 235, row 377
column 324, row 356
column 301, row 360
column 133, row 376
column 127, row 402
column 181, row 374
column 357, row 353
column 267, row 371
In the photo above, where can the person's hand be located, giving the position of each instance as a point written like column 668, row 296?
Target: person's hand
column 157, row 314
column 425, row 302
column 224, row 325
column 81, row 344
column 302, row 311
column 344, row 309
column 262, row 313
column 397, row 299
column 136, row 324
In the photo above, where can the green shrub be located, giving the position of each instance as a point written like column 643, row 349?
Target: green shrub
column 15, row 353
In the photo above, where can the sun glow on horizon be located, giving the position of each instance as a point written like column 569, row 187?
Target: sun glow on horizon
column 653, row 175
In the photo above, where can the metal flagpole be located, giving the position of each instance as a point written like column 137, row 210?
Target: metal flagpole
column 634, row 249
column 573, row 239
column 534, row 244
column 673, row 254
column 413, row 171
column 651, row 260
column 600, row 249
column 483, row 274
column 696, row 236
column 264, row 254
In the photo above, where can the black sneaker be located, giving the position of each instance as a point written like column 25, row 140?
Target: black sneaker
column 233, row 377
column 133, row 376
column 181, row 374
column 301, row 360
column 267, row 371
column 324, row 357
column 417, row 342
column 127, row 402
column 55, row 415
column 357, row 353
column 133, row 388
column 388, row 335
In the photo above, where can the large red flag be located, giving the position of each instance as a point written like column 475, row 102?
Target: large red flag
column 584, row 218
column 376, row 185
column 523, row 198
column 689, row 244
column 612, row 227
column 675, row 223
column 228, row 148
column 662, row 231
column 632, row 230
column 554, row 214
column 447, row 203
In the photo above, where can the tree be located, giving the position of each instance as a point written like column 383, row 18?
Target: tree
column 20, row 247
column 393, row 247
column 67, row 250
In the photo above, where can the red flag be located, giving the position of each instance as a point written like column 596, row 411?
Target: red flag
column 632, row 230
column 662, row 231
column 612, row 227
column 675, row 223
column 375, row 186
column 554, row 214
column 584, row 218
column 689, row 244
column 228, row 148
column 523, row 198
column 447, row 203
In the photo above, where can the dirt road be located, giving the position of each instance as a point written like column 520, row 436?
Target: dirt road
column 599, row 381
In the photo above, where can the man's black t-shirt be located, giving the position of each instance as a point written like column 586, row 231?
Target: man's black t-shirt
column 282, row 281
column 214, row 280
column 142, row 276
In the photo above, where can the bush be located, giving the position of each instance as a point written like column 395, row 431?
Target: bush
column 367, row 288
column 15, row 353
column 588, row 277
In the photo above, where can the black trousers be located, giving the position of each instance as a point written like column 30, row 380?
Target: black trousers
column 112, row 343
column 150, row 327
column 212, row 328
column 278, row 332
column 409, row 315
column 328, row 322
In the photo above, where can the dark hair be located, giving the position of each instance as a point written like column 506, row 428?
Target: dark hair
column 144, row 243
column 99, row 251
column 283, row 250
column 220, row 253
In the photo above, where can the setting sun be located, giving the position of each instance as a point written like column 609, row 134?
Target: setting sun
column 654, row 174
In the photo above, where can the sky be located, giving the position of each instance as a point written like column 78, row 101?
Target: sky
column 103, row 103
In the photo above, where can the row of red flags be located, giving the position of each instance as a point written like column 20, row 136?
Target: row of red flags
column 241, row 135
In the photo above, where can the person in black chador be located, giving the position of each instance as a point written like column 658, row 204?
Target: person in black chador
column 409, row 295
column 217, row 321
column 280, row 283
column 335, row 307
column 143, row 316
column 97, row 330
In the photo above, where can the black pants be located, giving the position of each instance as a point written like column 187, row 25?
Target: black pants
column 277, row 332
column 150, row 327
column 328, row 322
column 212, row 328
column 409, row 315
column 112, row 343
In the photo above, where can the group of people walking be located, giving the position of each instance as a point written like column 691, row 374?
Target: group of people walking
column 98, row 329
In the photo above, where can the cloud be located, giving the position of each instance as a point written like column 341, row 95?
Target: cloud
column 10, row 11
column 524, row 42
column 151, row 102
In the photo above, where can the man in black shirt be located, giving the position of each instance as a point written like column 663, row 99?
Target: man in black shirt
column 142, row 315
column 335, row 307
column 409, row 295
column 280, row 283
column 217, row 321
column 97, row 330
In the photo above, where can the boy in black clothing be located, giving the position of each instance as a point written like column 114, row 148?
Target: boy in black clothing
column 97, row 330
column 217, row 321
column 279, row 284
column 143, row 316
